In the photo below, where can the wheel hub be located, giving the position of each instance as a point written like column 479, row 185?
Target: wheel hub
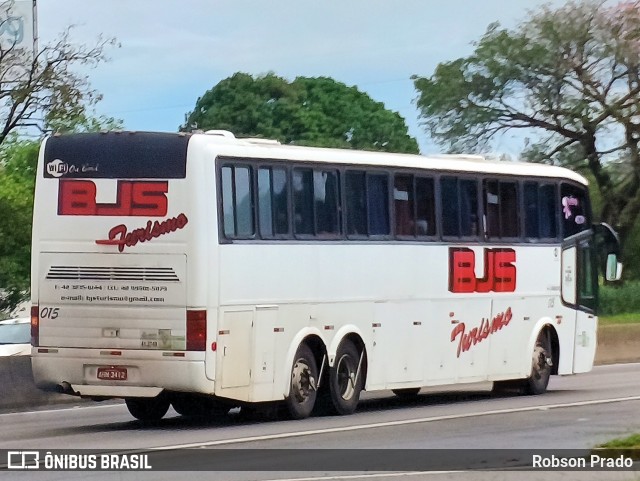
column 302, row 382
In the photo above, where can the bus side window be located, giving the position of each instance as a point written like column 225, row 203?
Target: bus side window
column 228, row 210
column 325, row 192
column 280, row 202
column 501, row 209
column 468, row 208
column 540, row 212
column 237, row 202
column 272, row 202
column 303, row 201
column 459, row 207
column 548, row 211
column 575, row 211
column 450, row 206
column 531, row 210
column 509, row 225
column 425, row 207
column 492, row 208
column 356, row 198
column 265, row 209
column 403, row 204
column 378, row 203
column 414, row 206
column 315, row 202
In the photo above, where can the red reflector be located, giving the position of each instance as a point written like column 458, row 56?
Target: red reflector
column 214, row 346
column 196, row 330
column 35, row 326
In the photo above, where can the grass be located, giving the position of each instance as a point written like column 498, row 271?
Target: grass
column 626, row 318
column 630, row 442
column 615, row 300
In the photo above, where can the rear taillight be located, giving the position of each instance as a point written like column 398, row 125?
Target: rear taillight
column 35, row 326
column 196, row 330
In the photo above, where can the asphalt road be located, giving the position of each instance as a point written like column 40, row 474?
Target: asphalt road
column 578, row 412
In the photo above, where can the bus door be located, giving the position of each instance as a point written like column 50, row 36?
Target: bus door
column 579, row 293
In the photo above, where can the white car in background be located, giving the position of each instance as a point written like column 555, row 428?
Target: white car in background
column 15, row 337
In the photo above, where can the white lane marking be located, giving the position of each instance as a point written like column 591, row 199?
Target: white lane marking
column 365, row 476
column 49, row 411
column 386, row 424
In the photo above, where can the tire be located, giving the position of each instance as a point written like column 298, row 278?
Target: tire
column 197, row 406
column 345, row 389
column 148, row 409
column 408, row 393
column 303, row 388
column 541, row 364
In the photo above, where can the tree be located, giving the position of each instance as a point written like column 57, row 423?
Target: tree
column 18, row 163
column 17, row 180
column 42, row 91
column 571, row 76
column 45, row 90
column 308, row 111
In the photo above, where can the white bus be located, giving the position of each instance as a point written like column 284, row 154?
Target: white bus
column 205, row 272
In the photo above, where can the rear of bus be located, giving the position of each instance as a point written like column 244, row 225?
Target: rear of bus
column 119, row 300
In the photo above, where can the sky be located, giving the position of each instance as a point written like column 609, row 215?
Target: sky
column 173, row 51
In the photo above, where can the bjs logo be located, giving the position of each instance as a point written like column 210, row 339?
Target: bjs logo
column 499, row 271
column 133, row 198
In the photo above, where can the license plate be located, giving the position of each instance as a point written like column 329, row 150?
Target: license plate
column 112, row 373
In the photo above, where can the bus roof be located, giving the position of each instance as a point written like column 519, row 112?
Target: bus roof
column 224, row 143
column 227, row 144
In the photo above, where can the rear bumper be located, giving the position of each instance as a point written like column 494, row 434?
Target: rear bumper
column 148, row 373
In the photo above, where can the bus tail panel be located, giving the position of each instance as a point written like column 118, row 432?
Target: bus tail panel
column 112, row 301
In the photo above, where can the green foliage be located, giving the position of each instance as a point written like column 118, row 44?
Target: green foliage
column 626, row 318
column 631, row 254
column 629, row 442
column 620, row 299
column 40, row 90
column 83, row 122
column 569, row 77
column 18, row 161
column 308, row 111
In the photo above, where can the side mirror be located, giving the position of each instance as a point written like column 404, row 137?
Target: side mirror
column 613, row 270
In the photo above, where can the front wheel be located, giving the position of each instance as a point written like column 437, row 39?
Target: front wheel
column 346, row 379
column 304, row 384
column 148, row 409
column 540, row 366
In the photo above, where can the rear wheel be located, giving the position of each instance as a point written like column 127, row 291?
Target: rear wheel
column 148, row 409
column 541, row 363
column 304, row 384
column 345, row 383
